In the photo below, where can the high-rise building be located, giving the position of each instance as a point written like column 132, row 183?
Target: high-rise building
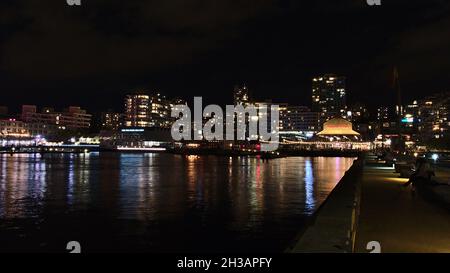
column 241, row 95
column 160, row 110
column 137, row 110
column 142, row 110
column 329, row 96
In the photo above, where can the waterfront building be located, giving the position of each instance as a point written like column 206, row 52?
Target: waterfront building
column 136, row 139
column 337, row 135
column 42, row 129
column 137, row 110
column 142, row 110
column 338, row 127
column 71, row 118
column 111, row 120
column 160, row 111
column 432, row 116
column 329, row 96
column 298, row 118
column 13, row 128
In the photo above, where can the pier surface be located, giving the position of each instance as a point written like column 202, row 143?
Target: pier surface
column 396, row 218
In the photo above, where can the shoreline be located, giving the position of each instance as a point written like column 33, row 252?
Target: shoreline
column 268, row 155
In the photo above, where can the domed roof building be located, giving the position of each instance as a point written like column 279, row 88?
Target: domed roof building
column 338, row 127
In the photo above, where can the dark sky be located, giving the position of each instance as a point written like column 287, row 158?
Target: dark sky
column 55, row 55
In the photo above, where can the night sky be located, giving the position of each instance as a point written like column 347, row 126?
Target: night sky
column 55, row 55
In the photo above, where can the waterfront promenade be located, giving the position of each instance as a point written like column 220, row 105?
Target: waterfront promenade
column 399, row 220
column 370, row 204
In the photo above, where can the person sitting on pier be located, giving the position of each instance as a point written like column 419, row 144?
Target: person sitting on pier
column 423, row 173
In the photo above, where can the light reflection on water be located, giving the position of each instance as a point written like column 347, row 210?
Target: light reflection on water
column 162, row 202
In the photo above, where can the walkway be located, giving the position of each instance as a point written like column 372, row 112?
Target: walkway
column 397, row 219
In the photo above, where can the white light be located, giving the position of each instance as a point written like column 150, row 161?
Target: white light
column 435, row 157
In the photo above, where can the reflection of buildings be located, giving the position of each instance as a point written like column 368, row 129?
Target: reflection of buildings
column 329, row 96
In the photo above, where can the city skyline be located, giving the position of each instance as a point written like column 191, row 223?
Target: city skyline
column 373, row 110
column 224, row 134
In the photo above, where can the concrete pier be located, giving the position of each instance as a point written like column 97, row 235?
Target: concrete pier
column 396, row 218
column 333, row 228
column 370, row 207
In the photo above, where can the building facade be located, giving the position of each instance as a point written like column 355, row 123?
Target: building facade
column 329, row 96
column 241, row 95
column 137, row 110
column 111, row 120
column 142, row 110
column 13, row 128
column 71, row 118
column 298, row 118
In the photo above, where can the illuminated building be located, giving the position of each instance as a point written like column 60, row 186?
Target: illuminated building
column 298, row 119
column 160, row 110
column 329, row 96
column 383, row 114
column 13, row 128
column 432, row 116
column 42, row 129
column 111, row 120
column 137, row 110
column 72, row 118
column 142, row 110
column 338, row 127
column 136, row 139
column 241, row 95
column 358, row 113
column 263, row 115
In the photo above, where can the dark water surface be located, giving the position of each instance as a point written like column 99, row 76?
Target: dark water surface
column 159, row 202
